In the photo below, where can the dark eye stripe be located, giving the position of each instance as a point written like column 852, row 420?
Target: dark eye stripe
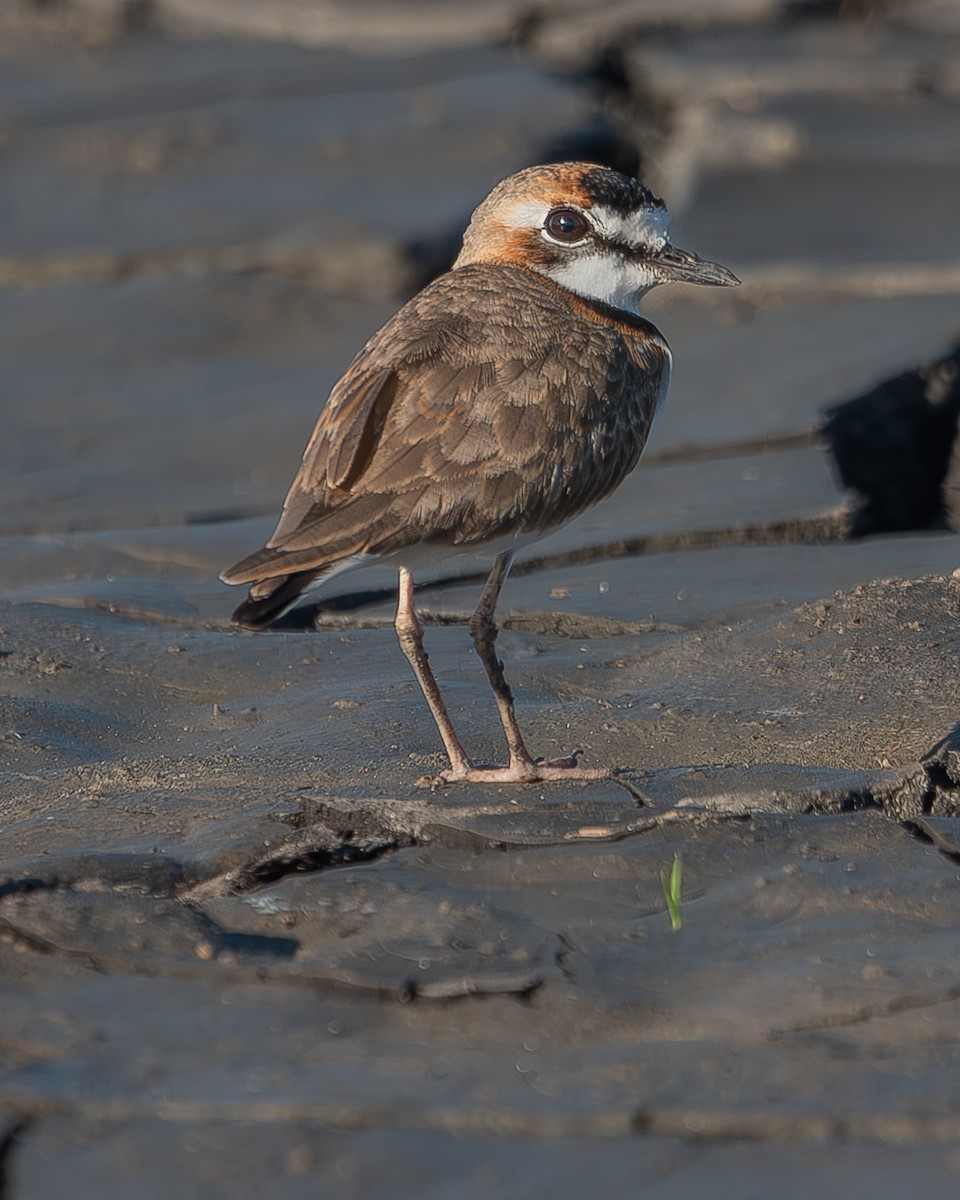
column 627, row 251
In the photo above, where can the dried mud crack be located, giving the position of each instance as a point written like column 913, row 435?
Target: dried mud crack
column 703, row 1126
column 219, row 880
column 914, row 1002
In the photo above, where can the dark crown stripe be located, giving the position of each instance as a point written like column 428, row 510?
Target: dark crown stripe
column 616, row 192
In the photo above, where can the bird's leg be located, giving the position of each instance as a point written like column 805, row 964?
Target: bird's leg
column 483, row 630
column 410, row 634
column 522, row 767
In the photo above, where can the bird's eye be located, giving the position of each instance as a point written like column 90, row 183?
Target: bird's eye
column 566, row 225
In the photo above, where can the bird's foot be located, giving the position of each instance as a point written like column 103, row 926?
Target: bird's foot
column 521, row 769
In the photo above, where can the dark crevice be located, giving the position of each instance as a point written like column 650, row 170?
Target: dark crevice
column 941, row 783
column 18, row 887
column 931, row 791
column 927, row 797
column 565, row 949
column 7, row 1147
column 853, row 801
column 892, row 447
column 304, row 861
column 916, row 830
column 715, row 1126
column 851, row 12
column 938, row 798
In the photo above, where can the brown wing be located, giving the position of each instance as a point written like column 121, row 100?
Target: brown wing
column 343, row 440
column 491, row 404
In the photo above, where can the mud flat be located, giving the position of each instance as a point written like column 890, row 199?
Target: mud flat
column 240, row 947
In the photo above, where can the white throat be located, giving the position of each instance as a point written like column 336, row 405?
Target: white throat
column 606, row 278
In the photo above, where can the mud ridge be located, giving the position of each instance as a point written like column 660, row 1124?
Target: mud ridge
column 385, row 269
column 690, row 1126
column 733, row 449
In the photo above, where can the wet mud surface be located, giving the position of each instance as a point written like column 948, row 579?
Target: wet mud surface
column 241, row 947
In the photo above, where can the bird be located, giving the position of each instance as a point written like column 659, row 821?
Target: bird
column 509, row 395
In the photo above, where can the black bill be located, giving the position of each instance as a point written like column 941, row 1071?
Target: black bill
column 685, row 267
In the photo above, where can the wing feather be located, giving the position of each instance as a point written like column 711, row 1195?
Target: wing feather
column 461, row 421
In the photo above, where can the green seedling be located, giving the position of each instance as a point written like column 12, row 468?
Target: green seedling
column 672, row 882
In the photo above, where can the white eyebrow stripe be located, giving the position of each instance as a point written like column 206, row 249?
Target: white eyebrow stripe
column 527, row 216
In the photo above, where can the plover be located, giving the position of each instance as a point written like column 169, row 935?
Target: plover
column 510, row 394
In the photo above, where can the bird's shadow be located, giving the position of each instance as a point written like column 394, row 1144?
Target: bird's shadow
column 306, row 617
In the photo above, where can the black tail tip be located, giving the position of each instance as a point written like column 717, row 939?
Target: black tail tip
column 255, row 614
column 274, row 598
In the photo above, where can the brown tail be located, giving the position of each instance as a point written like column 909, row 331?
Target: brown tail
column 272, row 597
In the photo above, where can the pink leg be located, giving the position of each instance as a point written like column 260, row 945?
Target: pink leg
column 410, row 633
column 522, row 768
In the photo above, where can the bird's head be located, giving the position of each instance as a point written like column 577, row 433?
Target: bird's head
column 588, row 228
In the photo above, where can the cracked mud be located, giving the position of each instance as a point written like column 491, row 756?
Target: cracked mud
column 239, row 948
